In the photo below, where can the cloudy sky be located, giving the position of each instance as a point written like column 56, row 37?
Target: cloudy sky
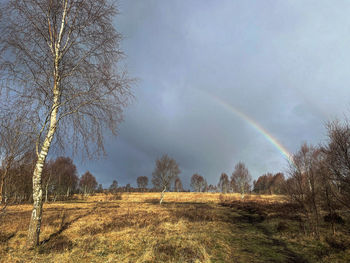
column 210, row 72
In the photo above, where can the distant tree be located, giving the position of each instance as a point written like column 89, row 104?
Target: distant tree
column 269, row 184
column 204, row 186
column 278, row 182
column 212, row 188
column 178, row 185
column 19, row 185
column 113, row 187
column 127, row 188
column 165, row 172
column 263, row 184
column 88, row 183
column 198, row 183
column 337, row 153
column 242, row 178
column 224, row 183
column 100, row 188
column 47, row 179
column 64, row 177
column 304, row 184
column 142, row 182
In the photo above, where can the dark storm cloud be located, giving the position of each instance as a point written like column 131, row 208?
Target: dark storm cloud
column 283, row 63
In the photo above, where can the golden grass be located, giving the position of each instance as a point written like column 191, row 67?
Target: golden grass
column 188, row 227
column 186, row 197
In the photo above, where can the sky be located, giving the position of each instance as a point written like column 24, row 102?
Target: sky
column 220, row 82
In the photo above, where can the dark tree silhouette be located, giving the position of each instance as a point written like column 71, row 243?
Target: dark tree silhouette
column 113, row 187
column 142, row 182
column 178, row 185
column 88, row 183
column 64, row 178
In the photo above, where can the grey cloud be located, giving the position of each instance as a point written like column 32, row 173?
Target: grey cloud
column 283, row 63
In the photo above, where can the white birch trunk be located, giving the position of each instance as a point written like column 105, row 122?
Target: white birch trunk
column 162, row 196
column 35, row 221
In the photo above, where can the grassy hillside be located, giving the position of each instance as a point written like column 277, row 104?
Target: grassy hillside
column 188, row 227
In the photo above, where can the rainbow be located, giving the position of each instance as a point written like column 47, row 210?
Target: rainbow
column 255, row 125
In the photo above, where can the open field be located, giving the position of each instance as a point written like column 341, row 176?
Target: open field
column 188, row 227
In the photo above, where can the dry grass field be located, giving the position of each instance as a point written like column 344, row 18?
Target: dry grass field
column 187, row 227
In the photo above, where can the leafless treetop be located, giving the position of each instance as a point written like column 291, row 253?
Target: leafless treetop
column 73, row 44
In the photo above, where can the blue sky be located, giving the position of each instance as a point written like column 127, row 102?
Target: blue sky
column 283, row 63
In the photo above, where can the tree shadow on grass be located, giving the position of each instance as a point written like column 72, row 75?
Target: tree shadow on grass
column 5, row 237
column 63, row 226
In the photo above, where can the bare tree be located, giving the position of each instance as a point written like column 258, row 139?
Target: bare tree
column 212, row 188
column 304, row 187
column 165, row 172
column 99, row 188
column 18, row 181
column 113, row 187
column 178, row 185
column 277, row 184
column 242, row 178
column 338, row 160
column 224, row 183
column 59, row 62
column 15, row 141
column 198, row 183
column 263, row 184
column 88, row 183
column 269, row 184
column 62, row 176
column 47, row 176
column 142, row 182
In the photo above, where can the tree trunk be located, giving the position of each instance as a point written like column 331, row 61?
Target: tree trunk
column 35, row 220
column 2, row 188
column 46, row 190
column 162, row 196
column 3, row 178
column 242, row 193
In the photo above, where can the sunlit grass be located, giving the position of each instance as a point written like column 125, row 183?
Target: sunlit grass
column 188, row 227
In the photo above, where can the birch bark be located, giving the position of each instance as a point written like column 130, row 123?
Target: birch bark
column 35, row 221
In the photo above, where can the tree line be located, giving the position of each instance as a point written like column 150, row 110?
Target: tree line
column 319, row 178
column 60, row 180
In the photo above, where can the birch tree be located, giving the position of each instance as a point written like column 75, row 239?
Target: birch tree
column 178, row 185
column 224, row 183
column 198, row 183
column 88, row 183
column 165, row 172
column 60, row 62
column 241, row 178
